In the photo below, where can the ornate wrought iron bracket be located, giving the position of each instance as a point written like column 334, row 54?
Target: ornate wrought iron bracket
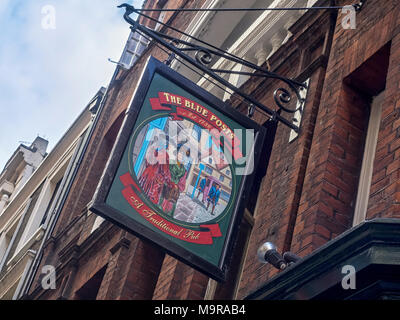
column 203, row 57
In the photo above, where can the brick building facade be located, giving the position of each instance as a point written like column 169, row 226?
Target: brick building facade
column 309, row 195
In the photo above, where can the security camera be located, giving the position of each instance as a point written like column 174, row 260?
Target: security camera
column 267, row 253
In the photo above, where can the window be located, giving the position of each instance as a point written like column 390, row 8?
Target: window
column 14, row 236
column 196, row 133
column 50, row 203
column 127, row 58
column 368, row 83
column 225, row 195
column 194, row 179
column 46, row 201
column 134, row 48
column 221, row 178
column 132, row 43
column 5, row 240
column 368, row 160
column 209, row 170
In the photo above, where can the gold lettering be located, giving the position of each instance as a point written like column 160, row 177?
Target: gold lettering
column 136, row 202
column 167, row 95
column 161, row 223
column 190, row 234
column 148, row 213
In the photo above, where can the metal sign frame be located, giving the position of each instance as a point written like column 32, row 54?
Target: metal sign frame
column 100, row 207
column 287, row 98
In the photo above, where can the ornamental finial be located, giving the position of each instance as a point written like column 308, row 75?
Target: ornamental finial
column 129, row 9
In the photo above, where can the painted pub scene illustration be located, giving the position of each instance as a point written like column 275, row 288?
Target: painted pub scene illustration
column 196, row 186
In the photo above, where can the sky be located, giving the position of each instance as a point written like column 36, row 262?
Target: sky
column 53, row 60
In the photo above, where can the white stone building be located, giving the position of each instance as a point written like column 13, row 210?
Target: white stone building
column 32, row 187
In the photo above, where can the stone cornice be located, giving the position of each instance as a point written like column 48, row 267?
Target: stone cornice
column 373, row 245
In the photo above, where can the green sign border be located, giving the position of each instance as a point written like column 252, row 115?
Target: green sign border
column 212, row 264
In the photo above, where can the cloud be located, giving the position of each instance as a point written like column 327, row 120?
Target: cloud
column 48, row 76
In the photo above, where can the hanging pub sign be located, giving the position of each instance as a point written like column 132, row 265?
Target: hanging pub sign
column 180, row 169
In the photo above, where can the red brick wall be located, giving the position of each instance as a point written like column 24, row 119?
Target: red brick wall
column 281, row 189
column 385, row 189
column 328, row 156
column 327, row 202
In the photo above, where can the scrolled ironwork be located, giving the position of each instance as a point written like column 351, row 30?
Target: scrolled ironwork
column 206, row 53
column 204, row 56
column 284, row 98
